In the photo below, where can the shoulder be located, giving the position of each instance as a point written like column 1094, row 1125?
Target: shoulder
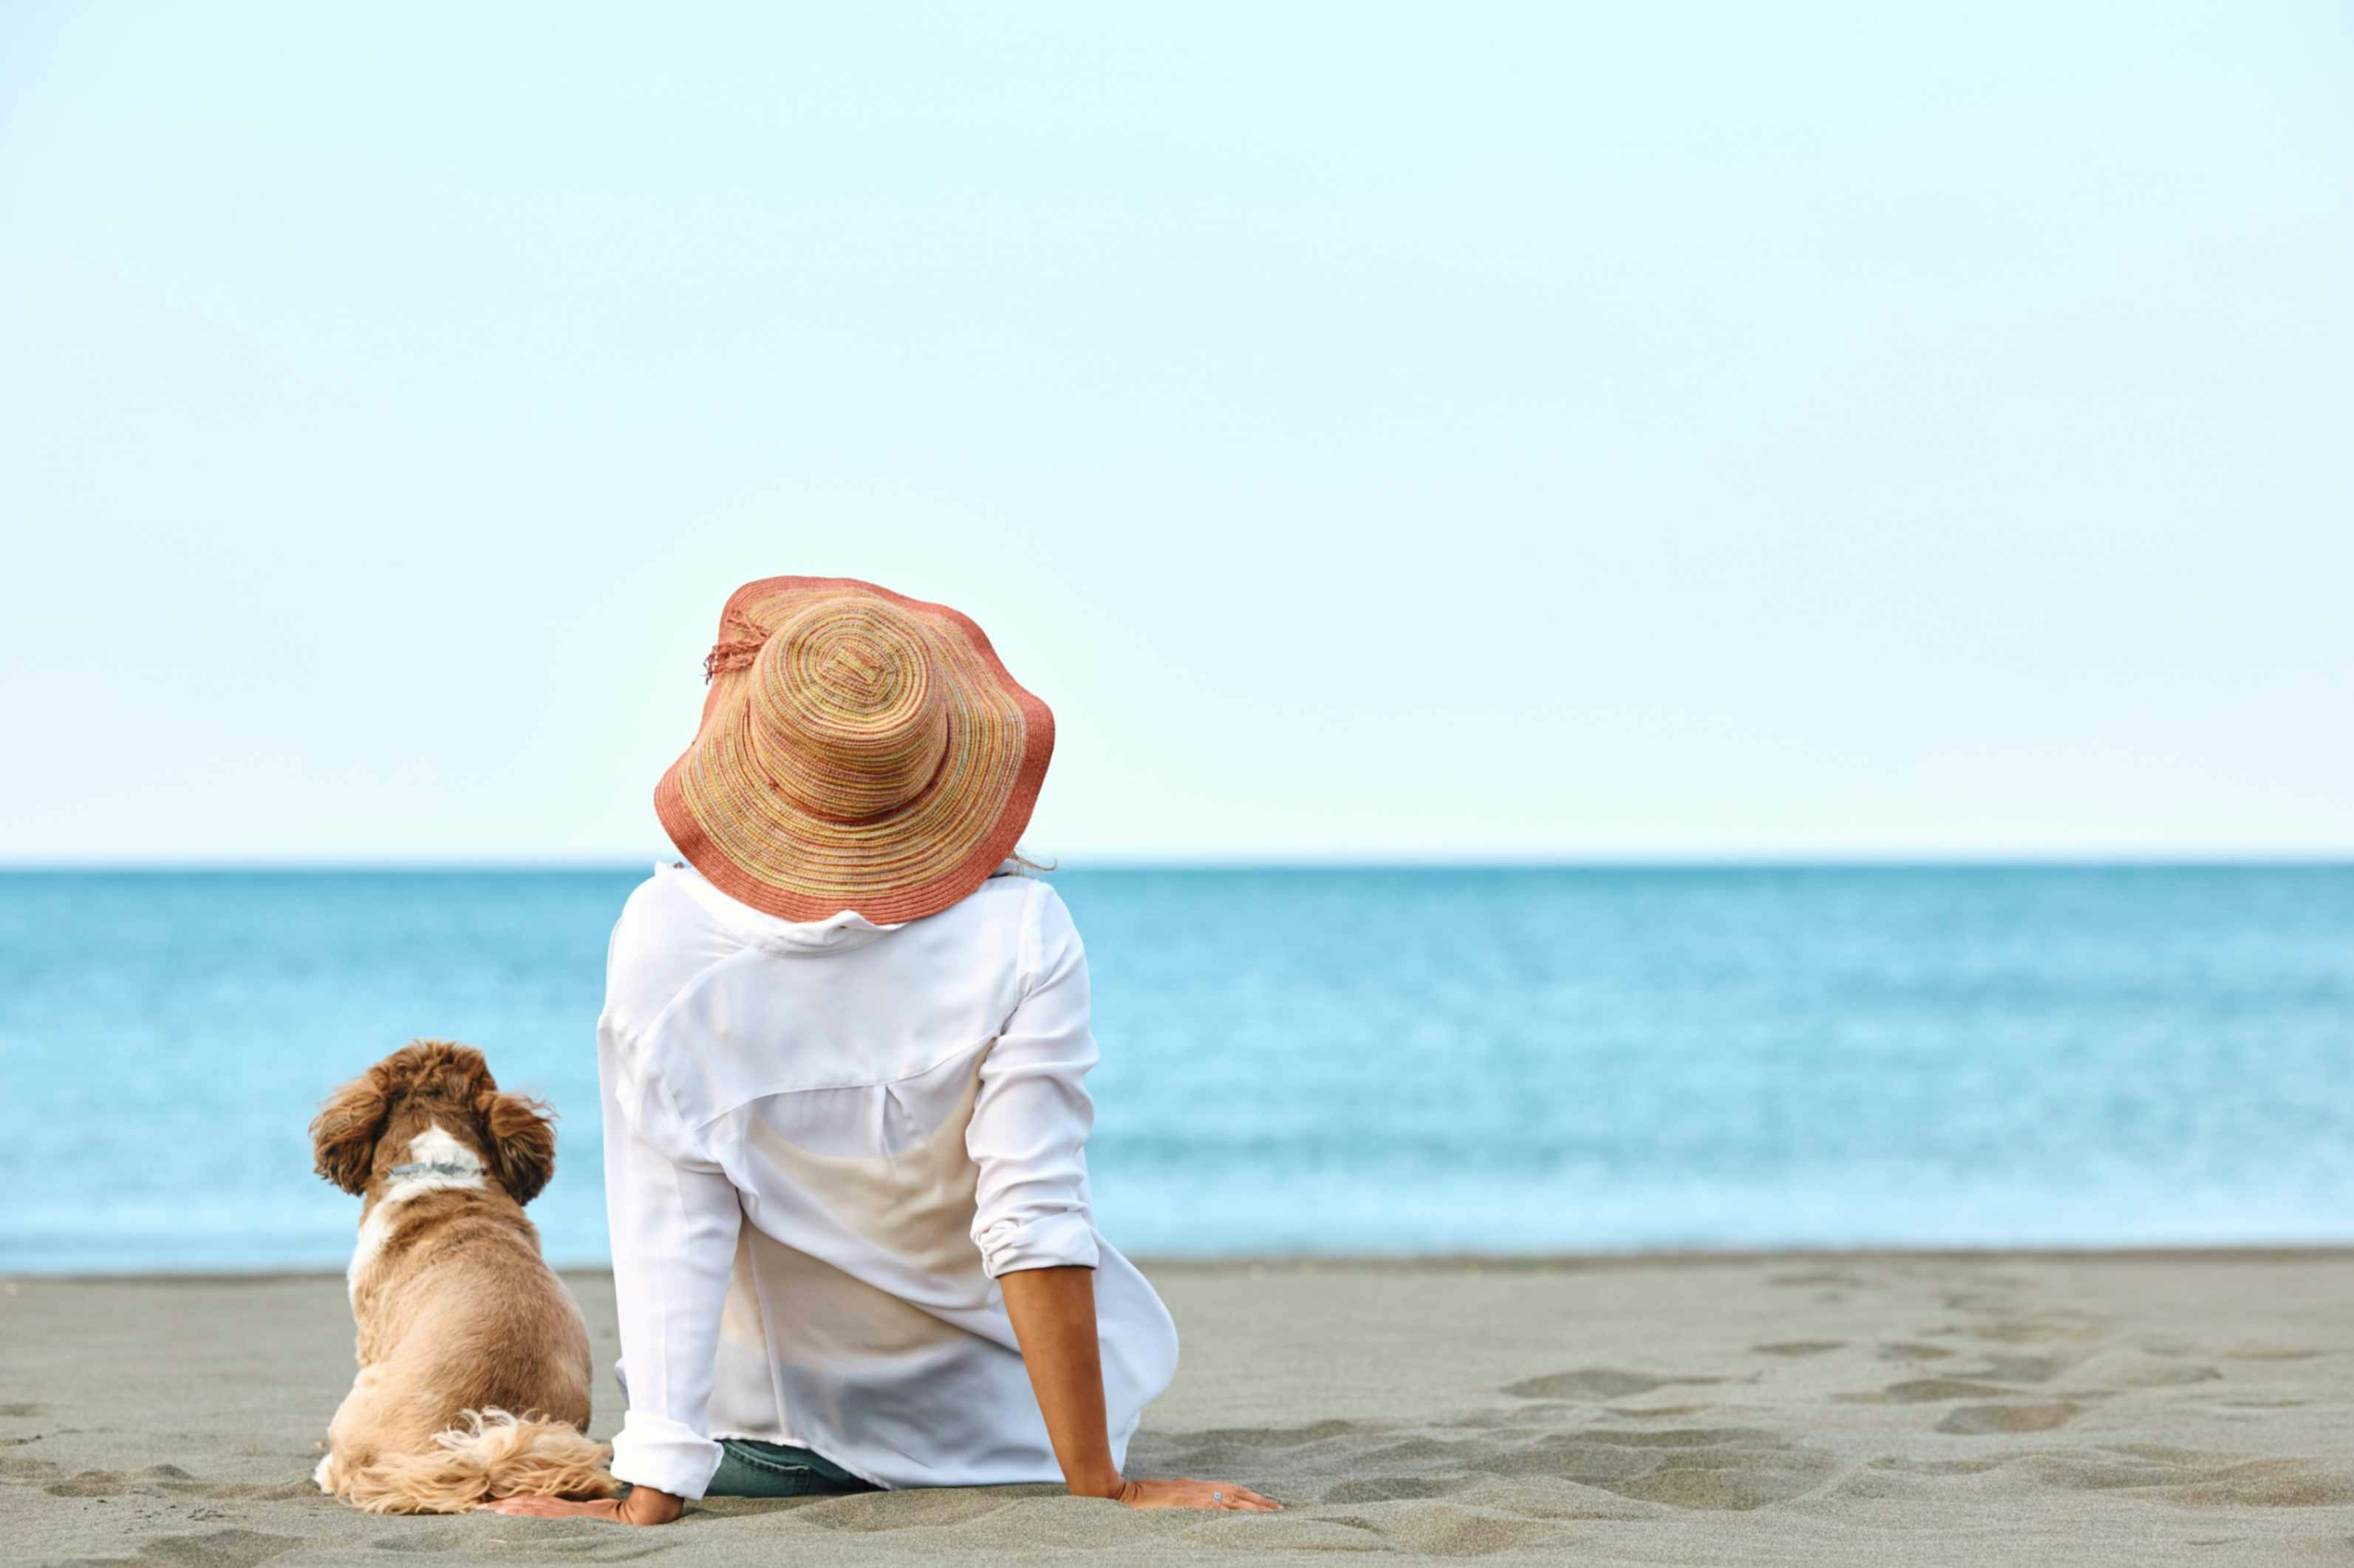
column 658, row 912
column 662, row 939
column 1015, row 924
column 1050, row 944
column 1031, row 903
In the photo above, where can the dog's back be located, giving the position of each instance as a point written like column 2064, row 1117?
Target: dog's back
column 474, row 1363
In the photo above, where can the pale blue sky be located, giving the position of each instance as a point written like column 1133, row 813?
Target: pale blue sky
column 1393, row 433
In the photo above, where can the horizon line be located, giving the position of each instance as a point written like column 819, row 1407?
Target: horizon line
column 1761, row 859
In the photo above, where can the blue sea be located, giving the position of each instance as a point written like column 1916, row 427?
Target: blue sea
column 1390, row 1061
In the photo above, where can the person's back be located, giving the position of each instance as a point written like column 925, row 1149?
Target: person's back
column 900, row 1113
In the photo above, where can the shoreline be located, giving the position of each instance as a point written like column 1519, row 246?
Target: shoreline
column 1441, row 1263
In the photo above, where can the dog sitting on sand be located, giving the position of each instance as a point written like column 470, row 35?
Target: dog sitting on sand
column 474, row 1369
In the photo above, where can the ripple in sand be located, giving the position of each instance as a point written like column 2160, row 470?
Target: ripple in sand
column 213, row 1549
column 1940, row 1466
column 2029, row 1330
column 1393, row 1488
column 1260, row 1533
column 915, row 1509
column 2197, row 1479
column 1596, row 1383
column 1417, row 1449
column 1438, row 1529
column 1980, row 1420
column 1238, row 1448
column 1814, row 1276
column 1906, row 1351
column 2017, row 1368
column 1925, row 1390
column 1799, row 1347
column 1723, row 1468
column 2159, row 1376
column 1681, row 1437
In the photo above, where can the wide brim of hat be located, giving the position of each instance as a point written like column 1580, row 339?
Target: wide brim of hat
column 766, row 853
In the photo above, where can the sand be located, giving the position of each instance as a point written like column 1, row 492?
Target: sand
column 1854, row 1409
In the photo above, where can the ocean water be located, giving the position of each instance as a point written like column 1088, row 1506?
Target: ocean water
column 1339, row 1062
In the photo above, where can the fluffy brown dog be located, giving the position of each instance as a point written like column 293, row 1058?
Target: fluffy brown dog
column 474, row 1369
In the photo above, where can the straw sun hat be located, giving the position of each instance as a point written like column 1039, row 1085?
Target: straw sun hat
column 859, row 750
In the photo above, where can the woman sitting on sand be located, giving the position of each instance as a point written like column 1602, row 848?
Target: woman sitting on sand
column 842, row 1059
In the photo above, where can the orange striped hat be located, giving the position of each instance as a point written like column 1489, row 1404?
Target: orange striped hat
column 859, row 750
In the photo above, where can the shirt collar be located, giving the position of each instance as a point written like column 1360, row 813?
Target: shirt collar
column 836, row 933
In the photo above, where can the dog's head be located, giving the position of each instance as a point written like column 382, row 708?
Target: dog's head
column 367, row 1127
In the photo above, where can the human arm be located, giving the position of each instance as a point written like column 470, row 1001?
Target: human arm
column 642, row 1505
column 1054, row 1314
column 1033, row 1220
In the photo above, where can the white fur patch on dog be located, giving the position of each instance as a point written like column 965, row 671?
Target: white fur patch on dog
column 432, row 1146
column 319, row 1476
column 435, row 1147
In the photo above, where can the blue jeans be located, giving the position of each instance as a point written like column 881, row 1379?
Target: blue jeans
column 750, row 1468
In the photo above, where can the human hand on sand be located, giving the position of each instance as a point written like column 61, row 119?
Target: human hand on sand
column 646, row 1506
column 643, row 1505
column 1222, row 1495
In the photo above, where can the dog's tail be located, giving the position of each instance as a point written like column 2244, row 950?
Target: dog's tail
column 493, row 1454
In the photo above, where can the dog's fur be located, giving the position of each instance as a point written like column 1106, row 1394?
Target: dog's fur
column 474, row 1368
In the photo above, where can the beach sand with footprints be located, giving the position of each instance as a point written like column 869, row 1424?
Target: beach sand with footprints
column 1868, row 1409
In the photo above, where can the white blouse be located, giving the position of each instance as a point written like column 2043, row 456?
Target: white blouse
column 824, row 1143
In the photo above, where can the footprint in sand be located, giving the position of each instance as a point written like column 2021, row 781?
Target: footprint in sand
column 2160, row 1376
column 1718, row 1468
column 92, row 1484
column 1596, row 1383
column 2198, row 1479
column 2029, row 1330
column 1907, row 1351
column 1982, row 1420
column 1256, row 1535
column 213, row 1549
column 925, row 1509
column 2018, row 1369
column 1979, row 1301
column 1927, row 1391
column 1937, row 1467
column 1799, row 1347
column 1831, row 1277
column 1393, row 1488
column 1433, row 1530
column 21, row 1411
column 1245, row 1447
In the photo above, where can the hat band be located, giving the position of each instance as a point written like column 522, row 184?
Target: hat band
column 726, row 657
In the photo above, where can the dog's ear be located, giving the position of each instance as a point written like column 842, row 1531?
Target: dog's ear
column 343, row 1135
column 522, row 1142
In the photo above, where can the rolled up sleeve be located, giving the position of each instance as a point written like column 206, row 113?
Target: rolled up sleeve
column 1031, row 1115
column 673, row 1229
